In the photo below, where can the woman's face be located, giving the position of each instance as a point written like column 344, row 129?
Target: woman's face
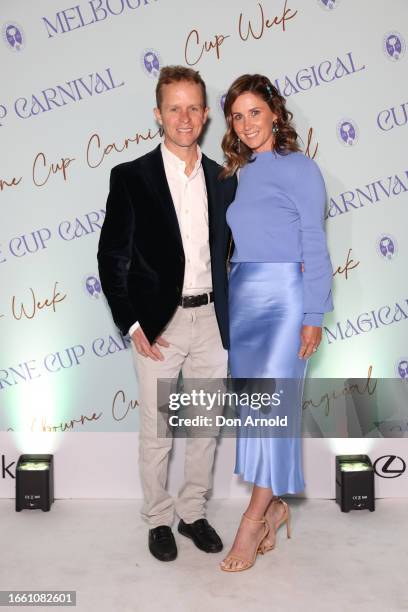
column 252, row 121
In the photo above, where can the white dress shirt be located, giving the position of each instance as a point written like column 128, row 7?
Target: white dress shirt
column 189, row 195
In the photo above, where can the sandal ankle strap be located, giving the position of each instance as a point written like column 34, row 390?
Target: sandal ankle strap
column 253, row 520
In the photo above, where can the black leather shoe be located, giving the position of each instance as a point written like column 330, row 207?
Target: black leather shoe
column 203, row 535
column 162, row 544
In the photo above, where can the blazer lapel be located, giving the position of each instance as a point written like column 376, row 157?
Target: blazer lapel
column 211, row 185
column 156, row 176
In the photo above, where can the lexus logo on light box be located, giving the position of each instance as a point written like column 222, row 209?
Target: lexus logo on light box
column 389, row 466
column 5, row 467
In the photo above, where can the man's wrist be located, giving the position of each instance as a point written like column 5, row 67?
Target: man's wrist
column 134, row 327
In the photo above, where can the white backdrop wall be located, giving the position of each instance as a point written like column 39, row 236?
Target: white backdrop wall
column 76, row 98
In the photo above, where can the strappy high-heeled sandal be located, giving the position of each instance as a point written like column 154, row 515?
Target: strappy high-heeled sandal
column 247, row 563
column 273, row 528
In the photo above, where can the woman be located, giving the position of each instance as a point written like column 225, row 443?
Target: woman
column 280, row 286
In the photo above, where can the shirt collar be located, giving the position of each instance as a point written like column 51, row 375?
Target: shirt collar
column 178, row 164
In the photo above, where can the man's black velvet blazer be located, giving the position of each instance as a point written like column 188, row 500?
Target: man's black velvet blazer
column 140, row 256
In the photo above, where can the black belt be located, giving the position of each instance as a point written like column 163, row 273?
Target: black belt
column 192, row 301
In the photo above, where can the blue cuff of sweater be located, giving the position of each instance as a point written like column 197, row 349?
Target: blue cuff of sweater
column 313, row 318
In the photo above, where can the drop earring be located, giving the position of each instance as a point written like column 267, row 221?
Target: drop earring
column 275, row 127
column 238, row 145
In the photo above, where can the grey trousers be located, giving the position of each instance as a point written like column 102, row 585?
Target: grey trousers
column 195, row 349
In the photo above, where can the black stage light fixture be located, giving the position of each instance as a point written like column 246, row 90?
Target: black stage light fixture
column 34, row 482
column 355, row 483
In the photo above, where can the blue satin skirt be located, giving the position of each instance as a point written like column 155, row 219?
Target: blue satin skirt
column 266, row 316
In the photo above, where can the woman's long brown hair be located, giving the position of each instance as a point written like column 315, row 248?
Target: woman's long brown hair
column 237, row 154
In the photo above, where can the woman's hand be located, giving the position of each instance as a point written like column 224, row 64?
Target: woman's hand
column 310, row 339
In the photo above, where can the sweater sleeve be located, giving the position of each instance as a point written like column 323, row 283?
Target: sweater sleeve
column 318, row 273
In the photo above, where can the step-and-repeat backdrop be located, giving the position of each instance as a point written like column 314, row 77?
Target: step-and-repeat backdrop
column 76, row 98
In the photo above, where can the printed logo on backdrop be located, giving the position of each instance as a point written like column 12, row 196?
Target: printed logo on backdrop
column 326, row 71
column 221, row 102
column 5, row 468
column 151, row 63
column 368, row 321
column 328, row 4
column 402, row 368
column 92, row 11
column 394, row 46
column 396, row 116
column 93, row 286
column 387, row 246
column 389, row 466
column 347, row 132
column 13, row 36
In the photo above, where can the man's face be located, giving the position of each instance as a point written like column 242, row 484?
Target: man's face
column 182, row 115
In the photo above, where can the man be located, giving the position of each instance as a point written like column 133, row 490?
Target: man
column 162, row 263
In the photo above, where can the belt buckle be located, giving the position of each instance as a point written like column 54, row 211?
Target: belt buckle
column 188, row 301
column 193, row 301
column 204, row 299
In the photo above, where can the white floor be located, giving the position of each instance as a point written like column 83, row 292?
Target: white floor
column 334, row 561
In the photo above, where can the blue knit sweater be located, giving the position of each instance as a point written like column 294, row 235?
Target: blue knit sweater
column 278, row 216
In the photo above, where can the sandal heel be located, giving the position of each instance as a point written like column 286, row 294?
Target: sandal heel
column 274, row 528
column 288, row 526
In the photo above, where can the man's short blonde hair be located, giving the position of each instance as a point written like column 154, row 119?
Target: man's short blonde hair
column 175, row 74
